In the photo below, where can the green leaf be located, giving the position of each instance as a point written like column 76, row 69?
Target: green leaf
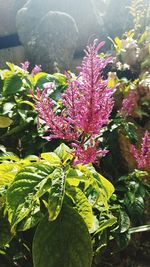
column 32, row 219
column 42, row 78
column 143, row 37
column 52, row 158
column 5, row 234
column 29, row 185
column 5, row 122
column 64, row 242
column 107, row 185
column 31, row 158
column 102, row 242
column 124, row 221
column 11, row 66
column 8, row 172
column 7, row 107
column 38, row 77
column 82, row 204
column 12, row 85
column 56, row 194
column 27, row 103
column 136, row 208
column 75, row 176
column 123, row 240
column 131, row 131
column 63, row 152
column 106, row 224
column 103, row 188
column 59, row 77
column 3, row 148
column 9, row 156
column 118, row 44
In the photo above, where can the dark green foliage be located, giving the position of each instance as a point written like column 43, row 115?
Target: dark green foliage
column 65, row 242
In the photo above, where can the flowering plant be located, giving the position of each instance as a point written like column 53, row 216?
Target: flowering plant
column 142, row 156
column 70, row 208
column 87, row 104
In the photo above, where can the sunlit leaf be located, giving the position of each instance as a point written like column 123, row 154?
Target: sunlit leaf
column 12, row 84
column 56, row 194
column 29, row 185
column 82, row 205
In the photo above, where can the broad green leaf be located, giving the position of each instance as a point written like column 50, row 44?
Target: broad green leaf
column 12, row 85
column 32, row 219
column 103, row 183
column 29, row 185
column 124, row 221
column 60, row 78
column 31, row 158
column 56, row 194
column 138, row 174
column 14, row 68
column 75, row 176
column 9, row 156
column 106, row 224
column 63, row 152
column 11, row 66
column 39, row 75
column 64, row 242
column 108, row 186
column 136, row 208
column 5, row 234
column 8, row 172
column 93, row 180
column 3, row 148
column 123, row 240
column 42, row 78
column 7, row 107
column 5, row 122
column 82, row 204
column 52, row 158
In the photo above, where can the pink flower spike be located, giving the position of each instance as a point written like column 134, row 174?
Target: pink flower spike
column 25, row 65
column 88, row 155
column 142, row 156
column 129, row 103
column 87, row 104
column 36, row 69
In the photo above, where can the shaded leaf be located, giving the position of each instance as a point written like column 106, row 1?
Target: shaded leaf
column 5, row 234
column 66, row 239
column 106, row 224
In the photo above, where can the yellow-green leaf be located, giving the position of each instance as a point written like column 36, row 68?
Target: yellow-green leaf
column 8, row 172
column 82, row 205
column 108, row 186
column 51, row 157
column 5, row 122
